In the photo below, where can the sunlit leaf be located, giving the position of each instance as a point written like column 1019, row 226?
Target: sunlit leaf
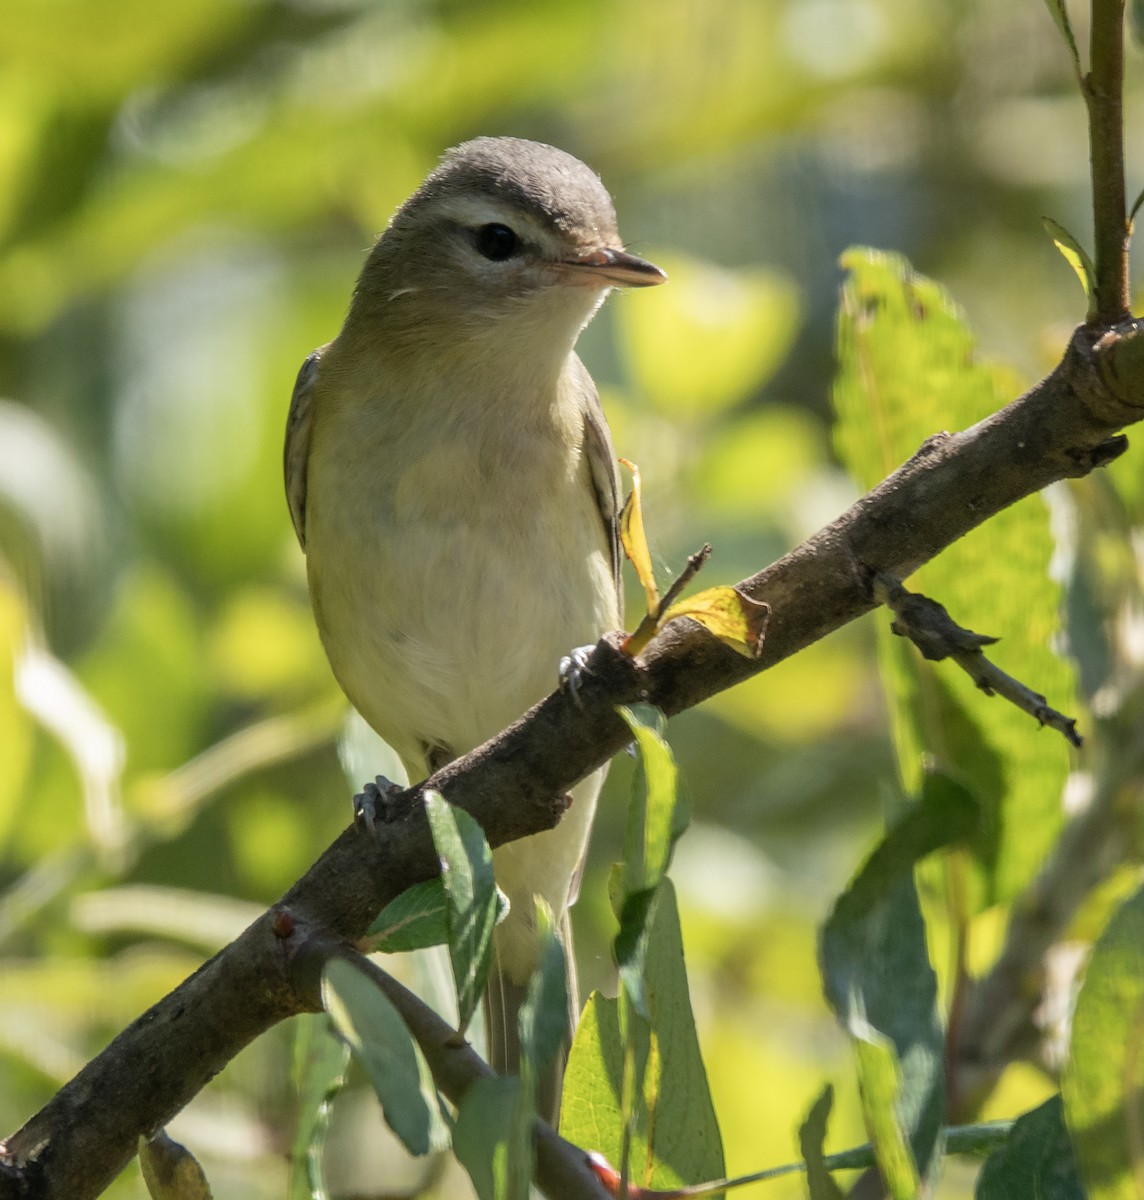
column 634, row 539
column 1103, row 1082
column 471, row 899
column 374, row 1031
column 907, row 371
column 1074, row 254
column 676, row 1137
column 732, row 617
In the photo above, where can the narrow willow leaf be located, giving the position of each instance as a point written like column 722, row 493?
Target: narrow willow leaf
column 1036, row 1160
column 907, row 370
column 492, row 1142
column 676, row 1136
column 634, row 539
column 732, row 617
column 1060, row 15
column 471, row 896
column 171, row 1171
column 543, row 1018
column 1075, row 255
column 880, row 1084
column 657, row 815
column 1103, row 1083
column 414, row 920
column 374, row 1031
column 878, row 979
column 319, row 1071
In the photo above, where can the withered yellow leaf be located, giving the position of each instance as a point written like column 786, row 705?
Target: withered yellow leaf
column 732, row 617
column 634, row 540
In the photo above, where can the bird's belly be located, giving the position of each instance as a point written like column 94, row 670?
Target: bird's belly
column 442, row 629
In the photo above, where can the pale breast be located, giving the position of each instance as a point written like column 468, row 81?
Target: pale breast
column 449, row 574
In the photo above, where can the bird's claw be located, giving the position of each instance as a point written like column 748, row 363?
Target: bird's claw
column 573, row 667
column 375, row 802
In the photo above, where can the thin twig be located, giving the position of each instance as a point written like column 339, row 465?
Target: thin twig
column 935, row 633
column 646, row 629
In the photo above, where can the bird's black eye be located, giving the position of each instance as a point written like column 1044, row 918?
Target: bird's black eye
column 497, row 242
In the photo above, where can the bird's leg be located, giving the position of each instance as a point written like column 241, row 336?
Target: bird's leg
column 573, row 667
column 375, row 802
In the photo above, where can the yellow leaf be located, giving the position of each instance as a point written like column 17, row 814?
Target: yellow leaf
column 732, row 617
column 1074, row 254
column 635, row 540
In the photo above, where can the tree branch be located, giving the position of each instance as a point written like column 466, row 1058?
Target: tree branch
column 1103, row 89
column 1062, row 428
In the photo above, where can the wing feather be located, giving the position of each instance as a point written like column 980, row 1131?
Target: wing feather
column 297, row 450
column 605, row 471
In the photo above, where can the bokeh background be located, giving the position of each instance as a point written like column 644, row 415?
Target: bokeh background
column 187, row 191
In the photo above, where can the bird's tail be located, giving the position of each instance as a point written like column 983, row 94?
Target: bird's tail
column 502, row 1004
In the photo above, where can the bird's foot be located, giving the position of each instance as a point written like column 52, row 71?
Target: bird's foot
column 375, row 802
column 573, row 667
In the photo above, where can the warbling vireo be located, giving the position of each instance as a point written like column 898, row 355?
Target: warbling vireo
column 452, row 481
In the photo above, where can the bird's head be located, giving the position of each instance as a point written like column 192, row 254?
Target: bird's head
column 506, row 241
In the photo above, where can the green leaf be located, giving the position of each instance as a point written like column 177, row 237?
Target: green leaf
column 171, row 1171
column 319, row 1072
column 711, row 337
column 677, row 1137
column 372, row 1028
column 811, row 1139
column 1075, row 255
column 906, row 371
column 471, row 899
column 657, row 816
column 1036, row 1163
column 543, row 1018
column 1103, row 1082
column 1060, row 15
column 878, row 979
column 493, row 1138
column 416, row 919
column 658, row 812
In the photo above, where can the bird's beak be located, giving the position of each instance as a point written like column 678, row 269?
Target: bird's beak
column 611, row 268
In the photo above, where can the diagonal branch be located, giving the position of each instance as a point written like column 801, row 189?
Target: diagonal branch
column 1063, row 428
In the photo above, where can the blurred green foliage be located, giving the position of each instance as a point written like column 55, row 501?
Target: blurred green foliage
column 186, row 194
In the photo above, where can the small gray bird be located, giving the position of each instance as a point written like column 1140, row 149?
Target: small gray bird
column 452, row 481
